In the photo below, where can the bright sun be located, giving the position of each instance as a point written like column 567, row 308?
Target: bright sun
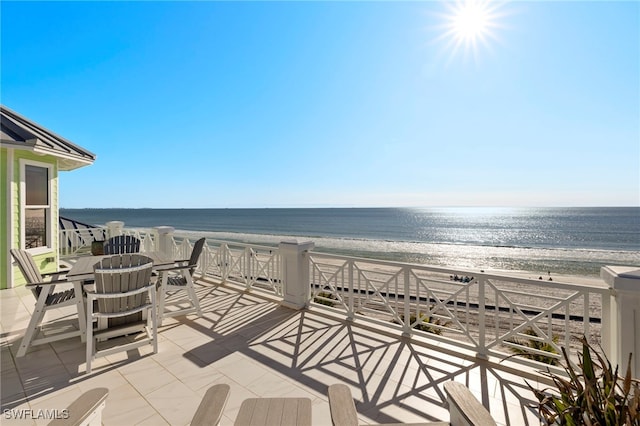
column 470, row 21
column 469, row 24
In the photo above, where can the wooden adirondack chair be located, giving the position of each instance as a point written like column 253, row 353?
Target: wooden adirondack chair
column 86, row 410
column 464, row 408
column 43, row 287
column 211, row 406
column 123, row 290
column 180, row 278
column 122, row 244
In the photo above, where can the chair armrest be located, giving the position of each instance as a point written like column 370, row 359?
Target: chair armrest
column 48, row 283
column 177, row 264
column 210, row 410
column 57, row 276
column 85, row 410
column 464, row 408
column 176, row 267
column 341, row 405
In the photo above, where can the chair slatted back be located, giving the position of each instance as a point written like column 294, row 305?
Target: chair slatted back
column 122, row 244
column 120, row 274
column 29, row 269
column 195, row 254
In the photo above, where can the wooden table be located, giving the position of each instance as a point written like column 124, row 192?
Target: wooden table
column 274, row 412
column 82, row 269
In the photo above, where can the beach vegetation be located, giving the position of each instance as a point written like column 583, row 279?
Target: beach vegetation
column 426, row 323
column 532, row 348
column 591, row 393
column 325, row 298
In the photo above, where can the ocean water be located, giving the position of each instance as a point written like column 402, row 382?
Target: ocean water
column 571, row 241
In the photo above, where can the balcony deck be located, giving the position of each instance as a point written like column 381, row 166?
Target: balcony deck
column 261, row 349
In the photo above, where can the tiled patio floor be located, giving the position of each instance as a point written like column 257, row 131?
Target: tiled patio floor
column 260, row 349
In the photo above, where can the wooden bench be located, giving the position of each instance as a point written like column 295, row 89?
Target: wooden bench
column 86, row 410
column 464, row 408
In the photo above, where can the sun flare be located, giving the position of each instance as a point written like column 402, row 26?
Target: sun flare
column 470, row 21
column 469, row 25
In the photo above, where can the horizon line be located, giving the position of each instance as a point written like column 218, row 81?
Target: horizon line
column 355, row 207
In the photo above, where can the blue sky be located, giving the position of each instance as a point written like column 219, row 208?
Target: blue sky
column 305, row 104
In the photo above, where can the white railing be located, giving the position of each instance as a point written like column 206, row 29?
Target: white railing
column 148, row 238
column 77, row 241
column 490, row 314
column 72, row 242
column 252, row 266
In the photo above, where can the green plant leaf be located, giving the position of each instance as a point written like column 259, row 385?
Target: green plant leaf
column 587, row 363
column 593, row 393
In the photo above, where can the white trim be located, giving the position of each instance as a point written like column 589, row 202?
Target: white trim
column 40, row 250
column 45, row 151
column 11, row 233
column 76, row 159
column 21, row 201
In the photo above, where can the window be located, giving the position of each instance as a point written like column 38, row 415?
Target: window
column 36, row 193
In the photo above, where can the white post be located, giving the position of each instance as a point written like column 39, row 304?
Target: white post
column 114, row 228
column 624, row 329
column 165, row 239
column 482, row 319
column 295, row 273
column 406, row 327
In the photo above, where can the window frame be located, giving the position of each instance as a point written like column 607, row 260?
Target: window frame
column 48, row 247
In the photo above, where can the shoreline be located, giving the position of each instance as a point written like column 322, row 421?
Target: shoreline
column 572, row 268
column 467, row 255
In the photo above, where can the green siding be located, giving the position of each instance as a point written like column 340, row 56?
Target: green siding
column 14, row 198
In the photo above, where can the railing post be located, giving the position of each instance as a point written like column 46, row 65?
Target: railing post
column 164, row 242
column 352, row 293
column 114, row 228
column 223, row 255
column 624, row 329
column 606, row 323
column 406, row 324
column 248, row 268
column 482, row 319
column 295, row 273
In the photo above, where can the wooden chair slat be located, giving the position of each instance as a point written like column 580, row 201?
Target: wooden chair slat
column 210, row 410
column 119, row 275
column 85, row 410
column 122, row 244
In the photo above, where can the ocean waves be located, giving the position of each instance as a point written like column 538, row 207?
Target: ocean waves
column 575, row 241
column 535, row 260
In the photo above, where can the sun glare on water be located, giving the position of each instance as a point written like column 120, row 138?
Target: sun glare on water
column 469, row 25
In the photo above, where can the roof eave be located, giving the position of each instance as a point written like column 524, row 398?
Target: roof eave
column 66, row 162
column 43, row 138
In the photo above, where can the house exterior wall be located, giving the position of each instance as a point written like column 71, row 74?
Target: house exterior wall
column 10, row 220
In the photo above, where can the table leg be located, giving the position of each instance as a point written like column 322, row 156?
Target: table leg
column 164, row 276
